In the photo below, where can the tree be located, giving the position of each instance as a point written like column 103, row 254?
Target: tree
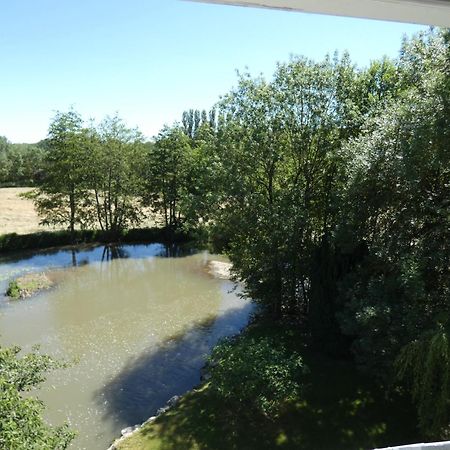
column 4, row 160
column 169, row 164
column 91, row 174
column 62, row 198
column 21, row 424
column 116, row 152
column 395, row 295
column 256, row 373
column 278, row 148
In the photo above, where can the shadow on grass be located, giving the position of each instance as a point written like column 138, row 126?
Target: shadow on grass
column 340, row 410
column 148, row 381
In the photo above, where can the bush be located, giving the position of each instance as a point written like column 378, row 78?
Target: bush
column 256, row 372
column 21, row 423
column 13, row 290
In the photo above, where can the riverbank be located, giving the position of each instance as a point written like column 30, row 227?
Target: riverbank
column 337, row 408
column 14, row 242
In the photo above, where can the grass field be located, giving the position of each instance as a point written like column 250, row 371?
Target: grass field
column 17, row 215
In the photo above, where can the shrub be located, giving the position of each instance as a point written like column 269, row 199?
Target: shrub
column 257, row 373
column 13, row 290
column 21, row 423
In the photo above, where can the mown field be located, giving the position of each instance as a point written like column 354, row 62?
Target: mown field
column 18, row 215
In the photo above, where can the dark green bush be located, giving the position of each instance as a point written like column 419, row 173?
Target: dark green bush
column 258, row 373
column 13, row 290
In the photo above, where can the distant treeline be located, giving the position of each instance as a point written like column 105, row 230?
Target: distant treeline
column 20, row 164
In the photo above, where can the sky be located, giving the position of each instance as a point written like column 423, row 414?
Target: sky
column 149, row 60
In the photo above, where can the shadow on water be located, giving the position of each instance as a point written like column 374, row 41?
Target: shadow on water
column 114, row 251
column 111, row 252
column 148, row 381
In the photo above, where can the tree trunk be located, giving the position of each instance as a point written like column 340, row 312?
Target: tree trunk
column 98, row 207
column 72, row 215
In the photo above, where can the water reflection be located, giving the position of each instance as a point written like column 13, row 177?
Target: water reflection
column 27, row 262
column 111, row 252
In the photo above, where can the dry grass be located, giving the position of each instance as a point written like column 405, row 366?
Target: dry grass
column 17, row 215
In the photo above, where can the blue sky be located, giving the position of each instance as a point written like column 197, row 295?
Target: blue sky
column 149, row 60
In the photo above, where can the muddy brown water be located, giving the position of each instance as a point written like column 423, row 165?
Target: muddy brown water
column 137, row 321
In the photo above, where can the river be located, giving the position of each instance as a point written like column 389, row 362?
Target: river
column 136, row 322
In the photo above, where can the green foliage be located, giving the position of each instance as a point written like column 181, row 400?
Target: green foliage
column 168, row 166
column 280, row 177
column 399, row 171
column 425, row 364
column 61, row 197
column 327, row 185
column 396, row 290
column 171, row 182
column 258, row 373
column 340, row 409
column 182, row 172
column 113, row 174
column 194, row 120
column 92, row 175
column 13, row 290
column 45, row 239
column 333, row 197
column 21, row 424
column 20, row 164
column 27, row 285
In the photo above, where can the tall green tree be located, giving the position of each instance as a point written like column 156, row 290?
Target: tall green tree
column 395, row 297
column 278, row 150
column 62, row 198
column 169, row 165
column 116, row 152
column 4, row 160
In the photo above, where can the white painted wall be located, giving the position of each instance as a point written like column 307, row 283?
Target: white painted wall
column 430, row 446
column 426, row 12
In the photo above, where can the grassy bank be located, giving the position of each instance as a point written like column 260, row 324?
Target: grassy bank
column 46, row 239
column 337, row 409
